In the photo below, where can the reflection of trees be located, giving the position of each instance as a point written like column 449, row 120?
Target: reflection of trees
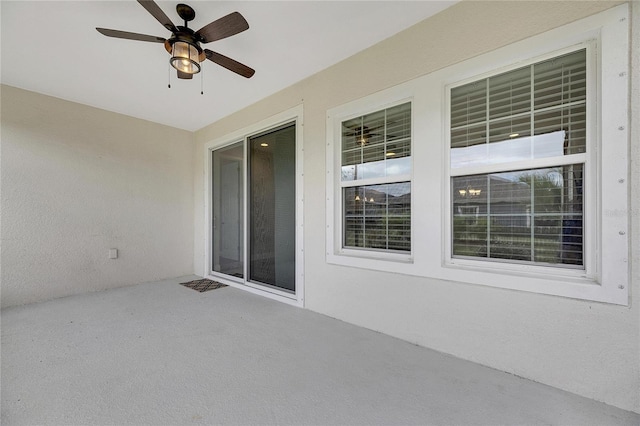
column 547, row 190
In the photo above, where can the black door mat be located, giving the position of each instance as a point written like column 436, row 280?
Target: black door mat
column 203, row 285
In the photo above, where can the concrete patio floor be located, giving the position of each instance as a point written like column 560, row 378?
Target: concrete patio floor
column 160, row 353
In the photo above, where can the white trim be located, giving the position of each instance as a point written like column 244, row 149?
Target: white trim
column 295, row 114
column 589, row 270
column 255, row 289
column 606, row 278
column 614, row 152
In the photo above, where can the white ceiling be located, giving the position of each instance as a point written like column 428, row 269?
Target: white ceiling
column 52, row 47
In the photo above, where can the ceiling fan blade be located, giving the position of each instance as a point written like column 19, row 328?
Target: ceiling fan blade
column 157, row 13
column 229, row 64
column 130, row 36
column 184, row 75
column 224, row 27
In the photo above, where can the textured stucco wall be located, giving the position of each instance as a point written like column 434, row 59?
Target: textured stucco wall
column 592, row 349
column 77, row 181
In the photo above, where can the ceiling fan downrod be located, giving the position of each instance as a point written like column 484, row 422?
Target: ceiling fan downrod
column 185, row 12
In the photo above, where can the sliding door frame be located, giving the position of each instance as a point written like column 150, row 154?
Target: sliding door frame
column 293, row 115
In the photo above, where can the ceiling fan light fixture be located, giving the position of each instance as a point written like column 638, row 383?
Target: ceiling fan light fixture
column 185, row 57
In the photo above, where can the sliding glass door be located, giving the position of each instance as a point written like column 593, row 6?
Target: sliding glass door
column 272, row 213
column 254, row 239
column 228, row 204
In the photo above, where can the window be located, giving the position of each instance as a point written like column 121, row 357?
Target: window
column 515, row 170
column 518, row 156
column 375, row 180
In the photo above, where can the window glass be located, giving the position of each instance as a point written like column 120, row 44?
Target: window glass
column 533, row 112
column 272, row 208
column 377, row 215
column 515, row 215
column 377, row 145
column 528, row 215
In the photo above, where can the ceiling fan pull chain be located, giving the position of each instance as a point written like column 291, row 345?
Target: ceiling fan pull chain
column 202, row 83
column 169, row 76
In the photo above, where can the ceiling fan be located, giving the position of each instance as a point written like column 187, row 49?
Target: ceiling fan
column 184, row 43
column 362, row 133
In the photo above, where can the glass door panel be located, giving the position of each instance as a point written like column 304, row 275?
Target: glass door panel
column 272, row 163
column 228, row 229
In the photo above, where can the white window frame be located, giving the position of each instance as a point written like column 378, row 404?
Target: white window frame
column 589, row 159
column 336, row 252
column 295, row 115
column 606, row 278
column 606, row 245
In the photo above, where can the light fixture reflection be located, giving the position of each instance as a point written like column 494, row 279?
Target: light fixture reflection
column 471, row 192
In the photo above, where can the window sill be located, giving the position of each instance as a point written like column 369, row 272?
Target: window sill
column 372, row 261
column 547, row 273
column 374, row 255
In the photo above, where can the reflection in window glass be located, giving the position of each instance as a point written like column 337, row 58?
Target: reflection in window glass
column 378, row 216
column 377, row 144
column 272, row 212
column 501, row 119
column 534, row 215
column 530, row 215
column 228, row 224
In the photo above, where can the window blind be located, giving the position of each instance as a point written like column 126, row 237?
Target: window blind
column 374, row 145
column 510, row 113
column 534, row 215
column 378, row 216
column 377, row 146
